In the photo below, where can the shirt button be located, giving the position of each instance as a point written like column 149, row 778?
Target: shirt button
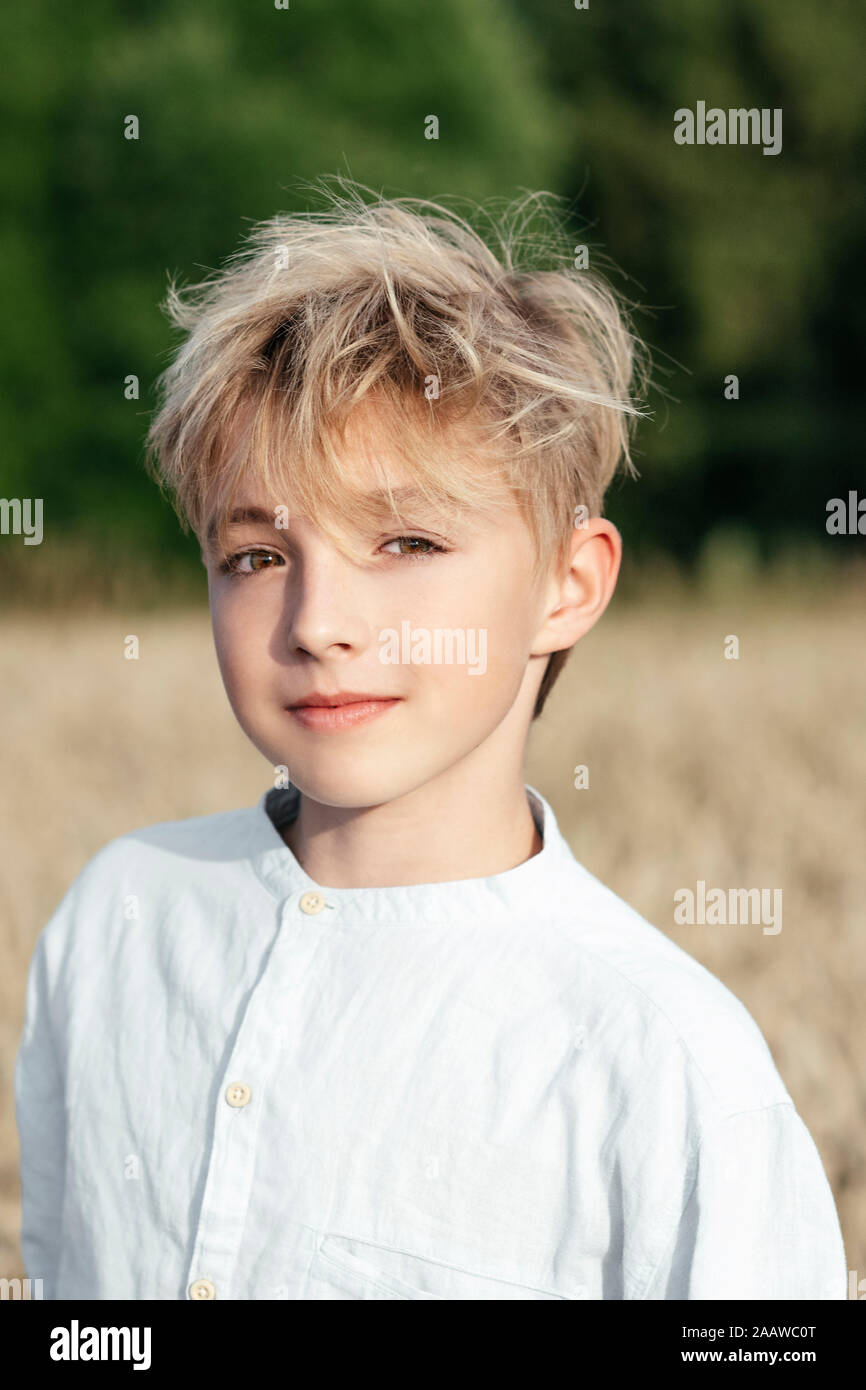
column 202, row 1288
column 238, row 1093
column 311, row 903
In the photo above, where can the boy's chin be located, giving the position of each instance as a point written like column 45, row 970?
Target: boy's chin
column 347, row 787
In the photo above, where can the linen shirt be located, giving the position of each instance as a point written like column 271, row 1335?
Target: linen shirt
column 236, row 1083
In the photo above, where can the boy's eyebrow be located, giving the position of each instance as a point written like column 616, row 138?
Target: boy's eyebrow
column 243, row 516
column 257, row 516
column 251, row 516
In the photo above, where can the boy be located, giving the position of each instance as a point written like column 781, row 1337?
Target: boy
column 381, row 1036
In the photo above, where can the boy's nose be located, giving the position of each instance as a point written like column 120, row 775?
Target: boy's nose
column 325, row 613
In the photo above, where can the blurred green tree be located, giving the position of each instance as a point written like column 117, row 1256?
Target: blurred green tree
column 744, row 264
column 748, row 264
column 235, row 104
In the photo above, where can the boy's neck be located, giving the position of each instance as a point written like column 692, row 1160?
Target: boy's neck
column 439, row 833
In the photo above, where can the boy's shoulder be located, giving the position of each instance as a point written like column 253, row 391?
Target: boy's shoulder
column 158, row 860
column 223, row 837
column 656, row 1002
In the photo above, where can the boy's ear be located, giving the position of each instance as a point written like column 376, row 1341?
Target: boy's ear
column 581, row 591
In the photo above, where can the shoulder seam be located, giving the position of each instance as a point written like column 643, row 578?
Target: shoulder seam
column 676, row 1031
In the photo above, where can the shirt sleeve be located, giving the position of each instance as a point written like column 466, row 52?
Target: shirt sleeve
column 41, row 1116
column 760, row 1221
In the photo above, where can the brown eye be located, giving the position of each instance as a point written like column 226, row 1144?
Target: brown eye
column 413, row 546
column 261, row 559
column 249, row 562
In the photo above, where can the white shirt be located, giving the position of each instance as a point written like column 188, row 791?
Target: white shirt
column 234, row 1083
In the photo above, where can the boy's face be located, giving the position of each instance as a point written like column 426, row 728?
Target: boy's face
column 297, row 618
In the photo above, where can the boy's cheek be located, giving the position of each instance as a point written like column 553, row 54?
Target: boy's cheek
column 241, row 659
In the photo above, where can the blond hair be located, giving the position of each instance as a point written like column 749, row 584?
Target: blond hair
column 399, row 302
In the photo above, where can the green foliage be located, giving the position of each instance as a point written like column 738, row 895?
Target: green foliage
column 236, row 104
column 746, row 264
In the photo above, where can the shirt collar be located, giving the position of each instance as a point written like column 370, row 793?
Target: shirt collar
column 527, row 888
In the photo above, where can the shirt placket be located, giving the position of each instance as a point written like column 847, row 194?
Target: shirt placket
column 243, row 1098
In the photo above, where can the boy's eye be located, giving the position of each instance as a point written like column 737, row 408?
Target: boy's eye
column 247, row 562
column 413, row 542
column 258, row 560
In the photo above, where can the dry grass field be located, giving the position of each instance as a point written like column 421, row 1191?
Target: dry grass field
column 746, row 773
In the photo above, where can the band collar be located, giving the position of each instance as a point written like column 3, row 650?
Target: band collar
column 527, row 888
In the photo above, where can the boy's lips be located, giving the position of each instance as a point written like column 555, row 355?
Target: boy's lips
column 343, row 711
column 340, row 697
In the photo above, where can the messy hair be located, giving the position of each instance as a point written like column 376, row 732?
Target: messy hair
column 488, row 359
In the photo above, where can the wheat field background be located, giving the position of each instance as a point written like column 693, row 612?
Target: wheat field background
column 743, row 773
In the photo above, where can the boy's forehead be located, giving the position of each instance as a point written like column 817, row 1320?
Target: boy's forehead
column 371, row 460
column 368, row 449
column 253, row 507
